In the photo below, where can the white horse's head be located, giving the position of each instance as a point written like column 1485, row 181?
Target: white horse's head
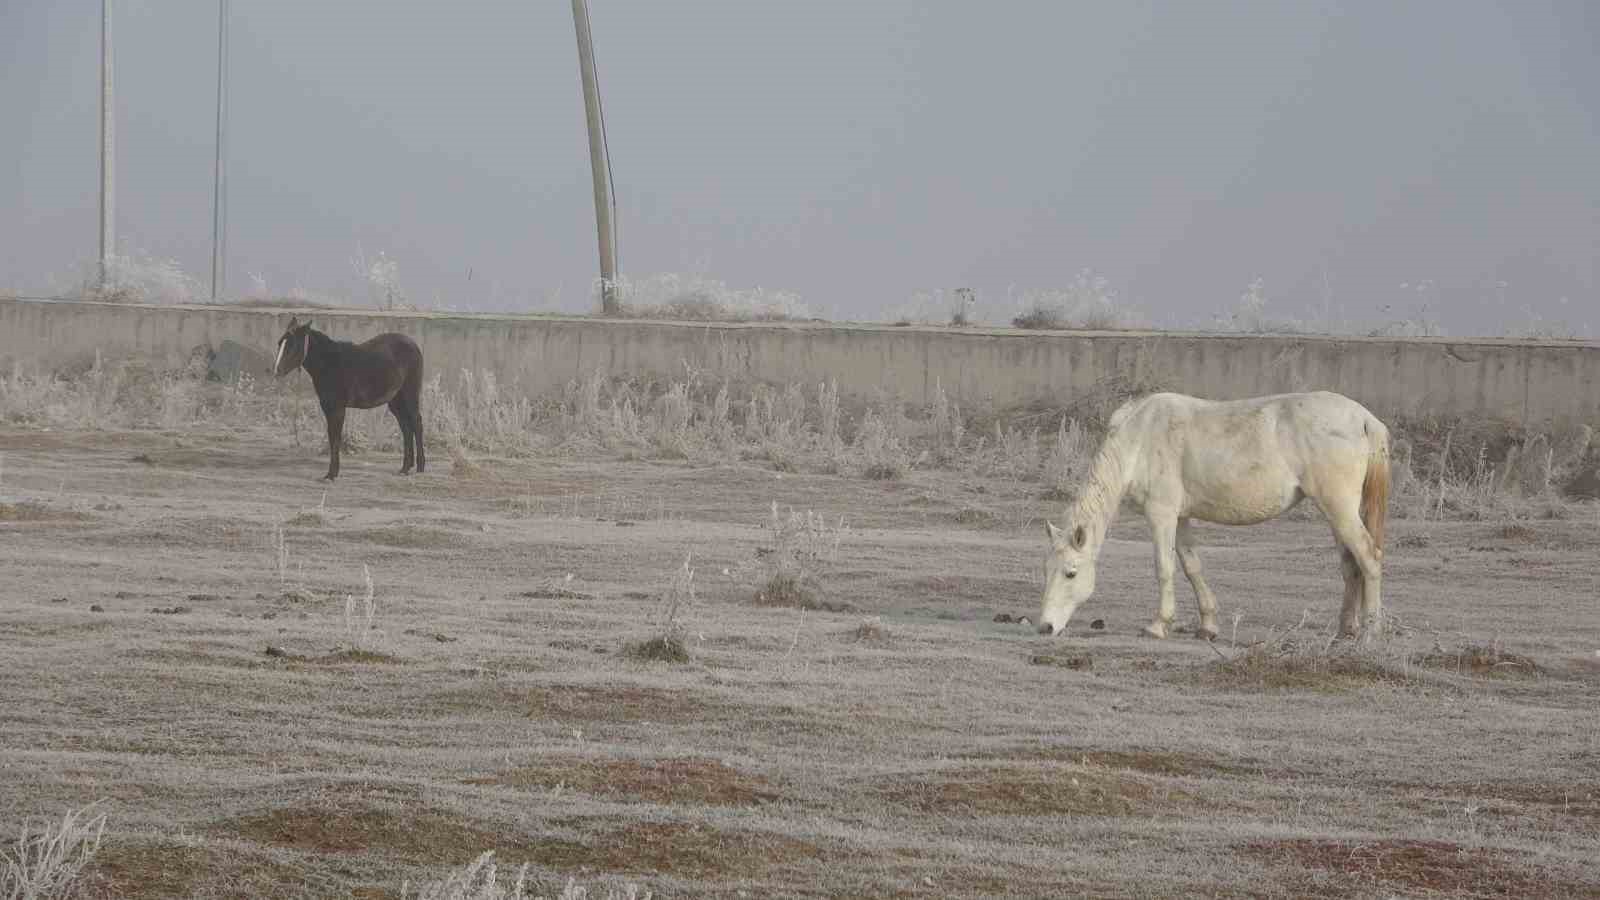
column 1068, row 577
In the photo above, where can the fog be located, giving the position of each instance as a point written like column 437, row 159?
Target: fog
column 1370, row 163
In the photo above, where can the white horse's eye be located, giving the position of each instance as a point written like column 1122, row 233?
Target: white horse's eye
column 1071, row 574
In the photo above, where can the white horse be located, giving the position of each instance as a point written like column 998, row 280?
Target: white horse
column 1239, row 462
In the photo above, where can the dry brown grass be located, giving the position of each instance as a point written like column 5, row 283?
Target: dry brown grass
column 1297, row 669
column 1332, row 868
column 157, row 870
column 685, row 850
column 1169, row 763
column 677, row 780
column 1030, row 791
column 424, row 835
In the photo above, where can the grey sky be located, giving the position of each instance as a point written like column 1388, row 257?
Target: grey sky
column 852, row 152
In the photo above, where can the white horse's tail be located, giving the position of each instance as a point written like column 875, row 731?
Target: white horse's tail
column 1375, row 487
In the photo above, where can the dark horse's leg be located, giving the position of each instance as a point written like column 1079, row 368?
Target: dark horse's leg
column 415, row 405
column 335, row 415
column 407, row 432
column 411, row 395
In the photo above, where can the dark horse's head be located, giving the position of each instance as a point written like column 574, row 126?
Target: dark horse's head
column 292, row 347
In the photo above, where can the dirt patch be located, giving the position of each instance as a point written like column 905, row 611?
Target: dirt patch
column 691, row 780
column 38, row 512
column 1006, row 791
column 137, row 871
column 1356, row 868
column 1478, row 659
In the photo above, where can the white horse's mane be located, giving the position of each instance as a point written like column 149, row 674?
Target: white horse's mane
column 1100, row 494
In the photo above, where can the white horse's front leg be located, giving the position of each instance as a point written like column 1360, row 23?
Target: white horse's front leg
column 1207, row 601
column 1163, row 533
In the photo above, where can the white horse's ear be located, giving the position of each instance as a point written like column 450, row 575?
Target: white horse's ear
column 1079, row 538
column 1052, row 531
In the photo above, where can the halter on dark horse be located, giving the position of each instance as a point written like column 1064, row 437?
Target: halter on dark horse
column 386, row 369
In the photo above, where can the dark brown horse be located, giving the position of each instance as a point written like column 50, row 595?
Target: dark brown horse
column 386, row 369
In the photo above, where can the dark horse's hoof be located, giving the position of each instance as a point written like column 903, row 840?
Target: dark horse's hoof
column 328, row 478
column 403, row 472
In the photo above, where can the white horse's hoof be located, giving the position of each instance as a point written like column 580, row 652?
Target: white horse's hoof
column 1156, row 629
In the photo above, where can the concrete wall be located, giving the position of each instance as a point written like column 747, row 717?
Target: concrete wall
column 1522, row 382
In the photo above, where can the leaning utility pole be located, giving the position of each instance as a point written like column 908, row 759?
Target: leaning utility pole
column 599, row 163
column 219, row 277
column 108, row 238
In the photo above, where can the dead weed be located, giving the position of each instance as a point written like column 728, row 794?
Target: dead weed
column 795, row 592
column 1487, row 660
column 661, row 648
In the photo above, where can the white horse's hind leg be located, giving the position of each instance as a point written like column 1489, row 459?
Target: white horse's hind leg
column 1163, row 533
column 1346, row 520
column 1207, row 601
column 1349, row 624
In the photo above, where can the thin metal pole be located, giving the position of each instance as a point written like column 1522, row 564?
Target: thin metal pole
column 598, row 163
column 108, row 238
column 219, row 277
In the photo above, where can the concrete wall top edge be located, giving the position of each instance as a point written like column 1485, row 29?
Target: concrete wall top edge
column 1448, row 343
